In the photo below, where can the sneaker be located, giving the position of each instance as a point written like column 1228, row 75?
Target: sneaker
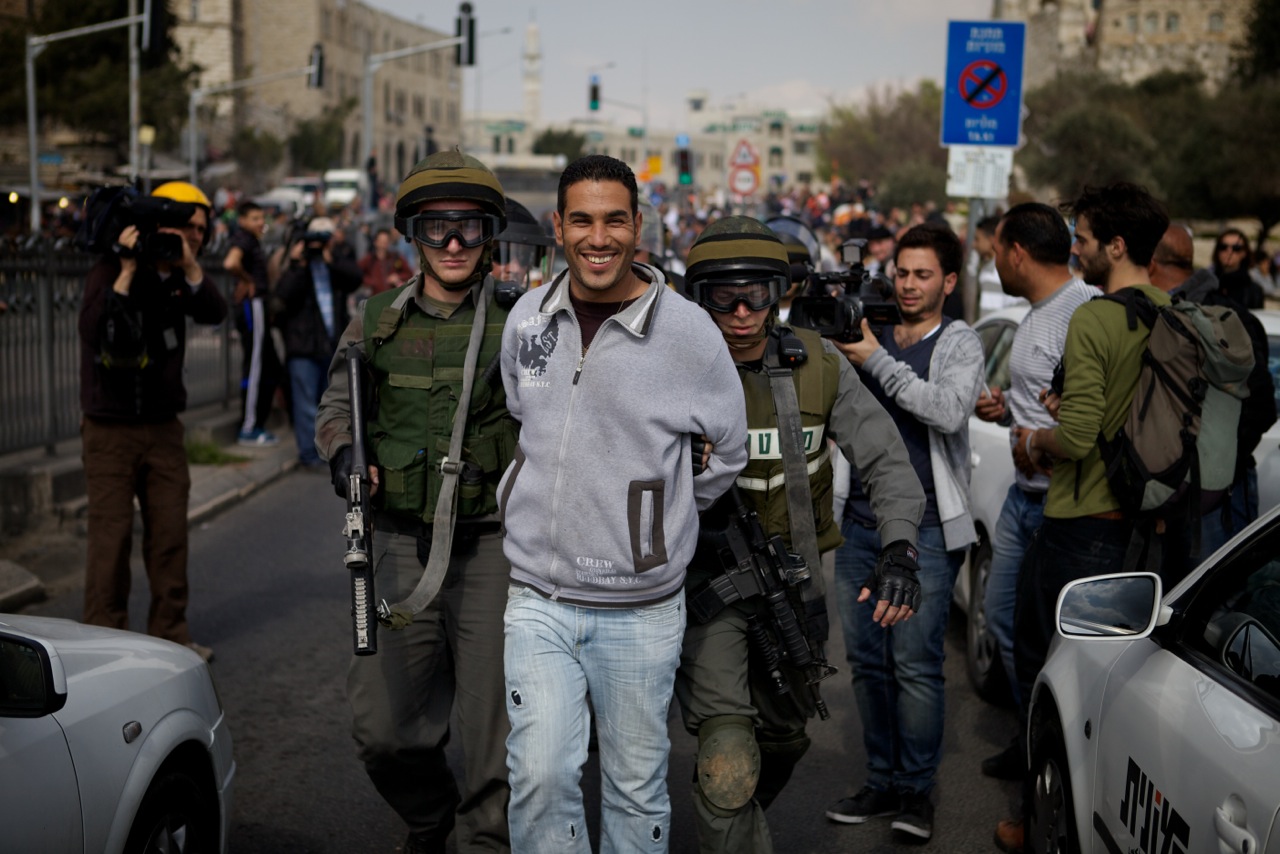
column 1009, row 836
column 867, row 804
column 256, row 438
column 1008, row 764
column 916, row 818
column 203, row 651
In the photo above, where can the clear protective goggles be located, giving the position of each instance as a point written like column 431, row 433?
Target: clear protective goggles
column 523, row 263
column 758, row 292
column 436, row 228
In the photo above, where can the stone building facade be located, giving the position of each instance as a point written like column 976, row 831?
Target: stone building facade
column 1128, row 39
column 238, row 39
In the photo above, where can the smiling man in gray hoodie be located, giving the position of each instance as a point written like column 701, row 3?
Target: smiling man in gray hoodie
column 609, row 372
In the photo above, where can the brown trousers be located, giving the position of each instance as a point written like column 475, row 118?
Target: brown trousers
column 122, row 460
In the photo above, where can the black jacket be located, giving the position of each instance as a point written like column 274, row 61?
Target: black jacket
column 297, row 311
column 132, row 348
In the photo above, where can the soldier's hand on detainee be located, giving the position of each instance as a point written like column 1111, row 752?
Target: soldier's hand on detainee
column 340, row 473
column 897, row 584
column 701, row 447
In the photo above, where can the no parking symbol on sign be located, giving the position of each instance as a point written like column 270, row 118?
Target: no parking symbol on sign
column 982, row 104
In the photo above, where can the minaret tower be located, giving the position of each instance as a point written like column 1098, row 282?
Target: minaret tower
column 532, row 74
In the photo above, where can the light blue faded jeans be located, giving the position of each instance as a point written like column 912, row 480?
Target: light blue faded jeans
column 625, row 658
column 897, row 672
column 1020, row 518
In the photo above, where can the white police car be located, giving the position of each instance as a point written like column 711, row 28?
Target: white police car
column 109, row 742
column 1155, row 723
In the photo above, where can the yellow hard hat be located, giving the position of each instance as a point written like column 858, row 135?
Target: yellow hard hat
column 181, row 191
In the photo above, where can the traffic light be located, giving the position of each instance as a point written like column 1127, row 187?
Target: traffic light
column 593, row 93
column 684, row 165
column 315, row 77
column 153, row 15
column 465, row 53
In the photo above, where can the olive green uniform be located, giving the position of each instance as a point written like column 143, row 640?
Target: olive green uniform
column 717, row 688
column 451, row 654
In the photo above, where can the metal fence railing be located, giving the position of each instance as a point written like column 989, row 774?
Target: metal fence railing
column 40, row 347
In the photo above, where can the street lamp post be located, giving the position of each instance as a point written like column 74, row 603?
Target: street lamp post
column 146, row 138
column 36, row 46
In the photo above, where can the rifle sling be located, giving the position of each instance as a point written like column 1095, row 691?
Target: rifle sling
column 786, row 406
column 402, row 613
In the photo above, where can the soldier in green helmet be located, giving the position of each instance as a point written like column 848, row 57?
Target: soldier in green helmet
column 437, row 551
column 801, row 393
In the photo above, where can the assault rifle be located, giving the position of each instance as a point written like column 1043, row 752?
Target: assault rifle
column 359, row 528
column 757, row 565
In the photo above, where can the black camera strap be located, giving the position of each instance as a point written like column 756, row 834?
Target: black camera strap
column 786, row 406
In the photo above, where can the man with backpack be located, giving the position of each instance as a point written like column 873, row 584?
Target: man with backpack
column 1084, row 531
column 1172, row 270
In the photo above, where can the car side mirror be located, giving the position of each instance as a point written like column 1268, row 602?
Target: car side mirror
column 1122, row 606
column 32, row 681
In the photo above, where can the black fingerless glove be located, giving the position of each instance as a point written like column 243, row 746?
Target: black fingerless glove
column 340, row 471
column 896, row 578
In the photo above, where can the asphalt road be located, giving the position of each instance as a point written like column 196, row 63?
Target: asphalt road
column 269, row 594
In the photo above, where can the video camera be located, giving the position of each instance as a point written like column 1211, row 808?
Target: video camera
column 110, row 210
column 846, row 298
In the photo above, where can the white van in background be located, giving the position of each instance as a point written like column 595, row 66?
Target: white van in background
column 342, row 186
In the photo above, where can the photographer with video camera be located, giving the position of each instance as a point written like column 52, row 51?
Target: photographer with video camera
column 133, row 327
column 310, row 308
column 747, row 708
column 927, row 372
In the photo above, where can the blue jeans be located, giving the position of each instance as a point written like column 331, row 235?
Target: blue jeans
column 897, row 672
column 1020, row 518
column 309, row 378
column 625, row 658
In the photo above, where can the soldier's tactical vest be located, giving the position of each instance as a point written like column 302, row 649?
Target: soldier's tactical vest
column 762, row 482
column 417, row 363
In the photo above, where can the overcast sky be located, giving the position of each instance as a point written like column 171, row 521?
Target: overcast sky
column 797, row 54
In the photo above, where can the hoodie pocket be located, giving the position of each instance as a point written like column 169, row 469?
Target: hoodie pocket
column 506, row 485
column 645, row 502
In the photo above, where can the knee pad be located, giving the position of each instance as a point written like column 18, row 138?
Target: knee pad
column 728, row 762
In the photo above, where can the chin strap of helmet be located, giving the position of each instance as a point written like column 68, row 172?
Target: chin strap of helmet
column 401, row 614
column 483, row 266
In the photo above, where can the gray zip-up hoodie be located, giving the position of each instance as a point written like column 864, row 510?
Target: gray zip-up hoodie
column 943, row 403
column 600, row 506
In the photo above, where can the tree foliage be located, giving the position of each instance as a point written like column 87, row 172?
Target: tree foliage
column 893, row 129
column 1257, row 59
column 1206, row 154
column 257, row 153
column 567, row 142
column 83, row 82
column 316, row 144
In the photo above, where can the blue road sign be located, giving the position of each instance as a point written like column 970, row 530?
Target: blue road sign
column 982, row 104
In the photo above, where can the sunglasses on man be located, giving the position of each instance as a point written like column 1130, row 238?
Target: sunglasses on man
column 1232, row 247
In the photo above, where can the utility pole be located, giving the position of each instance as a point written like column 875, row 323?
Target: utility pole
column 36, row 46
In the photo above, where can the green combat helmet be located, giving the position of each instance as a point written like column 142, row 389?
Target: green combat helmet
column 736, row 251
column 452, row 175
